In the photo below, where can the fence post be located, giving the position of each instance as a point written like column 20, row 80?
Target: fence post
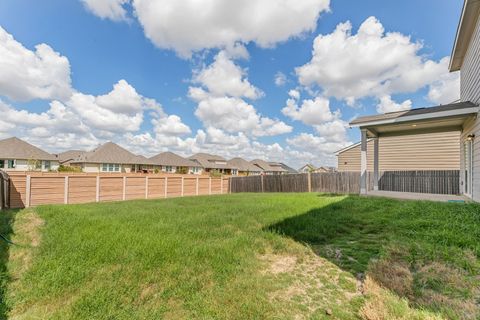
column 309, row 182
column 65, row 194
column 97, row 193
column 221, row 184
column 166, row 186
column 146, row 187
column 261, row 180
column 196, row 188
column 210, row 185
column 124, row 188
column 28, row 191
column 183, row 182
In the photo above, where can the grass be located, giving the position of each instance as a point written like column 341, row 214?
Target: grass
column 243, row 256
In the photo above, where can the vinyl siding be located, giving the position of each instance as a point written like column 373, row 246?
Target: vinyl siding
column 470, row 91
column 419, row 151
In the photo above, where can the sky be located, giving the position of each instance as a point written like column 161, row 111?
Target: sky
column 275, row 79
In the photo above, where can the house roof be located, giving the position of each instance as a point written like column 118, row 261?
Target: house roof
column 172, row 159
column 110, row 153
column 466, row 27
column 243, row 165
column 287, row 168
column 350, row 147
column 310, row 166
column 453, row 109
column 209, row 161
column 268, row 167
column 15, row 148
column 69, row 155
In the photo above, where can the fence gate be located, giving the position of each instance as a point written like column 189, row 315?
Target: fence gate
column 4, row 190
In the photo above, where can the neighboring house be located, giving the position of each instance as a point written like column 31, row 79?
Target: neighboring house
column 65, row 158
column 288, row 169
column 244, row 167
column 18, row 155
column 110, row 157
column 269, row 168
column 325, row 170
column 462, row 117
column 173, row 163
column 213, row 163
column 414, row 150
column 307, row 168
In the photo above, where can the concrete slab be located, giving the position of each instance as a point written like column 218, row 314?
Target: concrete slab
column 418, row 196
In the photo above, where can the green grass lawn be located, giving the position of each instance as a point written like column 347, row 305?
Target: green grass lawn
column 243, row 256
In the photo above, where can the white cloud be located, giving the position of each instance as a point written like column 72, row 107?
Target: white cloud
column 370, row 63
column 311, row 112
column 446, row 89
column 189, row 26
column 107, row 9
column 221, row 104
column 224, row 77
column 280, row 79
column 123, row 98
column 320, row 149
column 386, row 104
column 171, row 125
column 27, row 75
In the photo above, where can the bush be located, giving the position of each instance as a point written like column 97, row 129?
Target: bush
column 63, row 168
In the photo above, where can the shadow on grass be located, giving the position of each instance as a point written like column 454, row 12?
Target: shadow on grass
column 344, row 232
column 6, row 221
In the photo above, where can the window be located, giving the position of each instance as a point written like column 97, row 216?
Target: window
column 110, row 167
column 2, row 163
column 38, row 165
column 169, row 168
column 234, row 172
column 12, row 164
column 46, row 165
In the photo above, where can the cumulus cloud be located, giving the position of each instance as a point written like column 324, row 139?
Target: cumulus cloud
column 27, row 74
column 189, row 26
column 311, row 112
column 224, row 77
column 386, row 104
column 369, row 63
column 221, row 104
column 280, row 79
column 107, row 9
column 446, row 89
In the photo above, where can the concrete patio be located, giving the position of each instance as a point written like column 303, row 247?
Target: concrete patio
column 418, row 196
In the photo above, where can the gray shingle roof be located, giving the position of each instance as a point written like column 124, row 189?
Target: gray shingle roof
column 110, row 153
column 14, row 148
column 413, row 112
column 243, row 165
column 208, row 161
column 172, row 159
column 69, row 155
column 268, row 167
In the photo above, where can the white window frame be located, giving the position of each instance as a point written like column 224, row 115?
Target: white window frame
column 468, row 170
column 110, row 167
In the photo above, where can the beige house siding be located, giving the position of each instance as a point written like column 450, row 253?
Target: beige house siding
column 470, row 91
column 419, row 151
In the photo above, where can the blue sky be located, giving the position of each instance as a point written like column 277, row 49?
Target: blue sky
column 106, row 41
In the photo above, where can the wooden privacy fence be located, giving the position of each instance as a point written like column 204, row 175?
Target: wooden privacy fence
column 4, row 190
column 434, row 181
column 337, row 182
column 36, row 189
column 438, row 182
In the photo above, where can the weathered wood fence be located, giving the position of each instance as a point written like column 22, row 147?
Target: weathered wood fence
column 36, row 189
column 4, row 190
column 338, row 182
column 437, row 182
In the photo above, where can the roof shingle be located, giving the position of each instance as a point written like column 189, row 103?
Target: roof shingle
column 15, row 148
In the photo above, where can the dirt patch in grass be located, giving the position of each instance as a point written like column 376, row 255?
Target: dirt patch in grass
column 309, row 286
column 434, row 285
column 27, row 236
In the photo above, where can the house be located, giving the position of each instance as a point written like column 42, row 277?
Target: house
column 66, row 157
column 19, row 155
column 288, row 169
column 244, row 167
column 462, row 117
column 269, row 168
column 110, row 157
column 213, row 163
column 173, row 163
column 307, row 168
column 325, row 170
column 420, row 151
